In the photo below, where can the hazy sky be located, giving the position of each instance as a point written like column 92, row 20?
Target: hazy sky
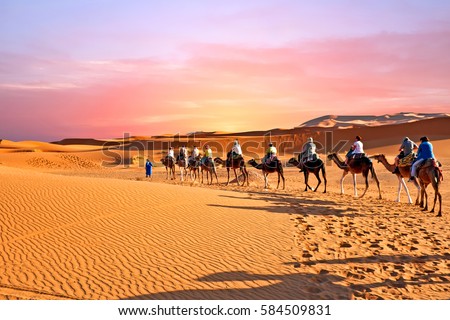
column 99, row 68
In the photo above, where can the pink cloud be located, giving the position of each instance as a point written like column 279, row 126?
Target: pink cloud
column 224, row 86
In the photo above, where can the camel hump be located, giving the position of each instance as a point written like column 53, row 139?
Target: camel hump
column 314, row 163
column 430, row 163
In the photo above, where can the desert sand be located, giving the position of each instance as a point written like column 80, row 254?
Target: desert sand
column 73, row 228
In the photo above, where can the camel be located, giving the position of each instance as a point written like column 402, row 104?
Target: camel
column 313, row 167
column 268, row 168
column 193, row 166
column 181, row 162
column 235, row 164
column 210, row 169
column 427, row 174
column 403, row 172
column 356, row 166
column 169, row 163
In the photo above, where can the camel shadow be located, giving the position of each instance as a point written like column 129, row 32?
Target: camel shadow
column 262, row 287
column 290, row 204
column 301, row 286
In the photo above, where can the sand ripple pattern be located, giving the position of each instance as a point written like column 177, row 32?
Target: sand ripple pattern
column 379, row 249
column 92, row 238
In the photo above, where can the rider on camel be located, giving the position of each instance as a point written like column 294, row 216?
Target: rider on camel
column 271, row 154
column 407, row 147
column 355, row 150
column 308, row 153
column 424, row 153
column 208, row 156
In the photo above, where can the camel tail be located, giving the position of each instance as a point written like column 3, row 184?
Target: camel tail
column 438, row 175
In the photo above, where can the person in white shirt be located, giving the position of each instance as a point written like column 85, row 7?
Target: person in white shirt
column 195, row 152
column 171, row 154
column 236, row 150
column 357, row 148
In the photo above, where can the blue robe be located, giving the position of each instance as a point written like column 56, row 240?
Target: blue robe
column 148, row 168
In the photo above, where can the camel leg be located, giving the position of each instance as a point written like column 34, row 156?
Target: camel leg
column 422, row 192
column 435, row 184
column 440, row 204
column 374, row 176
column 406, row 190
column 342, row 181
column 367, row 184
column 435, row 199
column 318, row 179
column 215, row 173
column 245, row 176
column 416, row 184
column 324, row 175
column 280, row 173
column 235, row 175
column 355, row 191
column 266, row 182
column 425, row 199
column 228, row 172
column 278, row 180
column 306, row 175
column 399, row 190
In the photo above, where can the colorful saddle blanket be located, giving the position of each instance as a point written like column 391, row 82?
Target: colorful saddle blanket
column 406, row 161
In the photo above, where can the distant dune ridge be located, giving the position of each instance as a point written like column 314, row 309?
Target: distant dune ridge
column 334, row 121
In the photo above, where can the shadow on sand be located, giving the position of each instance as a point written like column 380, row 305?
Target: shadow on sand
column 302, row 286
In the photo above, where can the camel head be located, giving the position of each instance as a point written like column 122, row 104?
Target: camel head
column 218, row 160
column 378, row 157
column 292, row 161
column 330, row 156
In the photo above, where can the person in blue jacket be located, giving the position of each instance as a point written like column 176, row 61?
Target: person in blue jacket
column 148, row 169
column 425, row 152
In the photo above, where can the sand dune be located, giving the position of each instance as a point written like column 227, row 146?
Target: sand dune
column 75, row 224
column 334, row 121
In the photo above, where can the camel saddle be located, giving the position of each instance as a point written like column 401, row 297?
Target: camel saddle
column 358, row 156
column 432, row 163
column 312, row 163
column 406, row 161
column 272, row 162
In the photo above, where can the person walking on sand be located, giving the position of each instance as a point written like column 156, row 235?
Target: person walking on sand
column 148, row 169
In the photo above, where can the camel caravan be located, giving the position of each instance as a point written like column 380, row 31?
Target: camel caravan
column 420, row 168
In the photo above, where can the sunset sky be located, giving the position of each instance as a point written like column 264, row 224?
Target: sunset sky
column 99, row 68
